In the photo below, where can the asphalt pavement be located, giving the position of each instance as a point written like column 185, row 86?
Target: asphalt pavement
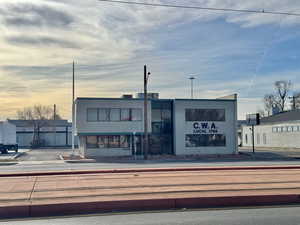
column 287, row 215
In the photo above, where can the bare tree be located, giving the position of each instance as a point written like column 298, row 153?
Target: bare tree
column 282, row 89
column 269, row 103
column 37, row 116
column 279, row 98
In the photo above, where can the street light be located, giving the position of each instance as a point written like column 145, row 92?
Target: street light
column 192, row 86
column 146, row 140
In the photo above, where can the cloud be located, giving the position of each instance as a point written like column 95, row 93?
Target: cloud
column 30, row 15
column 41, row 42
column 111, row 42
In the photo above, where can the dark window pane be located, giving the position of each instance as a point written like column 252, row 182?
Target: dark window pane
column 202, row 140
column 156, row 115
column 92, row 115
column 91, row 142
column 115, row 114
column 124, row 141
column 125, row 114
column 205, row 114
column 156, row 127
column 136, row 114
column 103, row 114
column 103, row 142
column 166, row 115
column 114, row 141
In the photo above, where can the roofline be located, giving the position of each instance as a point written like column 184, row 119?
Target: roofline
column 211, row 99
column 151, row 99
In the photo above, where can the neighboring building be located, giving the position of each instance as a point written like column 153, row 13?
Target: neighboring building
column 54, row 133
column 279, row 130
column 240, row 123
column 115, row 126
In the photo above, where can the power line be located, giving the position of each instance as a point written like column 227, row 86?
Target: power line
column 202, row 8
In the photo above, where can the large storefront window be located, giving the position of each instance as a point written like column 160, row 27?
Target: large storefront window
column 103, row 142
column 203, row 140
column 124, row 141
column 108, row 141
column 91, row 142
column 205, row 114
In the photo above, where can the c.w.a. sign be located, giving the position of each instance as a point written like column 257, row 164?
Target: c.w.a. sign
column 205, row 128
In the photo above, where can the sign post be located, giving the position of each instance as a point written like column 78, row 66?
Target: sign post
column 252, row 120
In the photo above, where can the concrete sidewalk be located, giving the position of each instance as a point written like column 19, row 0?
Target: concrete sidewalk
column 33, row 195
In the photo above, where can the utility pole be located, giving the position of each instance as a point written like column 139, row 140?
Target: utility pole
column 73, row 109
column 253, row 145
column 54, row 123
column 54, row 112
column 192, row 86
column 293, row 101
column 146, row 139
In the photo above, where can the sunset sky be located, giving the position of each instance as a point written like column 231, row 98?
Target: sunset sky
column 226, row 52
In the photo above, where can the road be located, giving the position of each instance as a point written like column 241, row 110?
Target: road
column 245, row 216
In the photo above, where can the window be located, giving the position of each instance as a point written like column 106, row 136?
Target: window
column 202, row 140
column 246, row 138
column 156, row 115
column 136, row 114
column 109, row 114
column 258, row 138
column 124, row 141
column 91, row 141
column 205, row 114
column 103, row 114
column 289, row 128
column 166, row 115
column 125, row 115
column 92, row 115
column 115, row 115
column 114, row 141
column 103, row 142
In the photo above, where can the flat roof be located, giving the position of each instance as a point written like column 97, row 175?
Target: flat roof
column 151, row 99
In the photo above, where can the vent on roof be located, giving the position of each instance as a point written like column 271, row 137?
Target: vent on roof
column 150, row 95
column 127, row 96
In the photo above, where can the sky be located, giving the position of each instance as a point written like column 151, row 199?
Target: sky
column 226, row 52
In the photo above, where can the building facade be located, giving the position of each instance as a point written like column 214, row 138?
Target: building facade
column 115, row 126
column 281, row 130
column 53, row 133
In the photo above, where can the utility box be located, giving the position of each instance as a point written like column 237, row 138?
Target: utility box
column 8, row 137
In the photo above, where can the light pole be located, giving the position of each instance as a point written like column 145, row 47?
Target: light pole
column 146, row 140
column 192, row 86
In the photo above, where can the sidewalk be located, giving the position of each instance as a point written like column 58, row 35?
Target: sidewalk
column 27, row 195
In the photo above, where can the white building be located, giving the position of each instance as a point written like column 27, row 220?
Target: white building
column 280, row 130
column 52, row 133
column 115, row 126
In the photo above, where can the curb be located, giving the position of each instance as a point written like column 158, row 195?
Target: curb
column 145, row 170
column 32, row 210
column 77, row 160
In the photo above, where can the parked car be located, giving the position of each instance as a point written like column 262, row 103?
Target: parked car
column 8, row 137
